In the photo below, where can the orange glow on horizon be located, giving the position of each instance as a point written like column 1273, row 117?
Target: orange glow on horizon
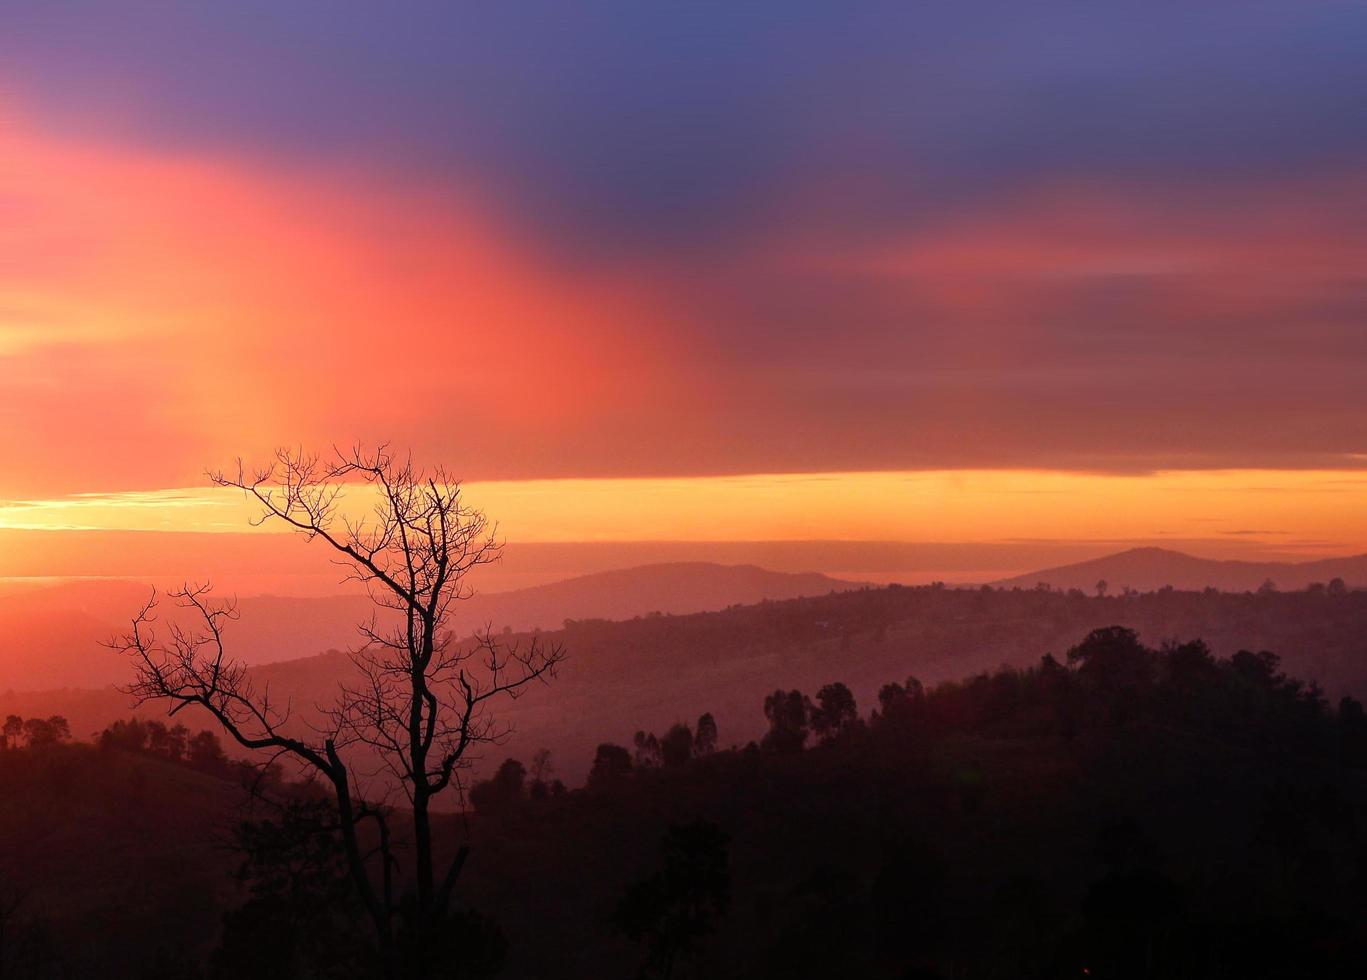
column 166, row 310
column 1311, row 512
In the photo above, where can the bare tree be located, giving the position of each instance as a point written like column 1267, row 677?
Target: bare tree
column 420, row 701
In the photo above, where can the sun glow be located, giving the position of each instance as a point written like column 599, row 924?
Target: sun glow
column 1311, row 512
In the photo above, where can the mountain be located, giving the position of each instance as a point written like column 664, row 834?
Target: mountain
column 676, row 588
column 50, row 637
column 1147, row 569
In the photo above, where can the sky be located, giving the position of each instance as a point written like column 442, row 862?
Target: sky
column 968, row 272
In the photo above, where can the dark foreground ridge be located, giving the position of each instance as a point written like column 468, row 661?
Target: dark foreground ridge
column 1118, row 812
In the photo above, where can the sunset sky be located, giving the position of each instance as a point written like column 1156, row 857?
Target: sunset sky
column 991, row 274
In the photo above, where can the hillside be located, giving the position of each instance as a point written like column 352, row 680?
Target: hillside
column 650, row 672
column 107, row 848
column 1038, row 823
column 50, row 637
column 1148, row 569
column 676, row 588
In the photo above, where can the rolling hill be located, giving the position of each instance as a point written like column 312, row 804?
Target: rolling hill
column 50, row 637
column 676, row 588
column 1147, row 569
column 650, row 672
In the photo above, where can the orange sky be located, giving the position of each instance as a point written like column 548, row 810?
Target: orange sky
column 163, row 310
column 1308, row 511
column 981, row 524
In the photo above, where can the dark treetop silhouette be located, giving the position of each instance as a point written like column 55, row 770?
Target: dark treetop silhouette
column 1123, row 811
column 421, row 698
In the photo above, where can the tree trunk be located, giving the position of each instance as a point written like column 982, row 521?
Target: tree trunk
column 378, row 910
column 423, row 924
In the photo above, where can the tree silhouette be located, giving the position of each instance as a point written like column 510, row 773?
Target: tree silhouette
column 46, row 731
column 12, row 732
column 1113, row 659
column 205, row 751
column 502, row 792
column 675, row 908
column 676, row 747
column 835, row 712
column 541, row 772
column 899, row 704
column 705, row 735
column 164, row 741
column 297, row 918
column 647, row 754
column 1261, row 670
column 788, row 714
column 422, row 699
column 611, row 764
column 129, row 736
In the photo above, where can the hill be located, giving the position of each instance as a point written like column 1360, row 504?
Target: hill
column 650, row 672
column 675, row 588
column 50, row 637
column 1148, row 569
column 1126, row 813
column 107, row 848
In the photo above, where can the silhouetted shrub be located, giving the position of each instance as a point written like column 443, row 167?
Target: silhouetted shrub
column 705, row 735
column 611, row 764
column 504, row 791
column 788, row 714
column 676, row 747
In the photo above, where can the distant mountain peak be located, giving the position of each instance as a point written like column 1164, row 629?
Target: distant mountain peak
column 50, row 637
column 1150, row 567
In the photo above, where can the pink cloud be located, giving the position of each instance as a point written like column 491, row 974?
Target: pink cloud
column 163, row 312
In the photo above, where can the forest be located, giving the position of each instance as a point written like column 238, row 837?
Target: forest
column 1118, row 810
